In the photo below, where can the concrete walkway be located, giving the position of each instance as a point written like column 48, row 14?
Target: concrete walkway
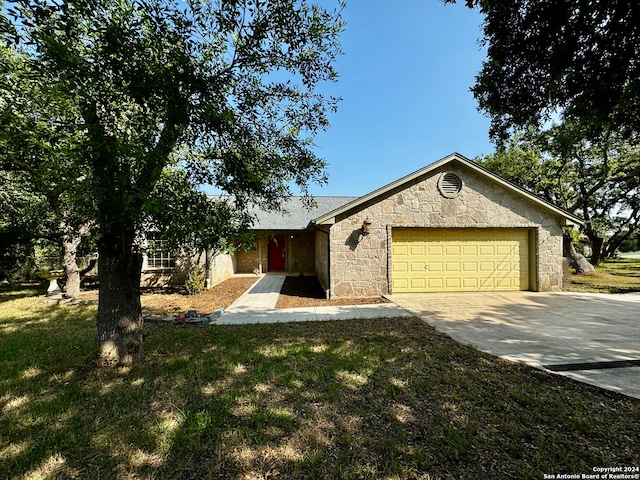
column 592, row 338
column 257, row 305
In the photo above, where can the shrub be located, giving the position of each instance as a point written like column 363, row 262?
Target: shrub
column 195, row 281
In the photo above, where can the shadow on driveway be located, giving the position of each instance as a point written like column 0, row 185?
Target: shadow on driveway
column 544, row 330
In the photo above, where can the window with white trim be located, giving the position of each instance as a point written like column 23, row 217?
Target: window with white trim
column 158, row 256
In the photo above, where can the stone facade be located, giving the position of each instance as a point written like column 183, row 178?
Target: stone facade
column 361, row 265
column 301, row 249
column 322, row 256
column 250, row 259
column 221, row 267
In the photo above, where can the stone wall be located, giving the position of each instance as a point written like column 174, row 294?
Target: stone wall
column 221, row 267
column 300, row 251
column 361, row 265
column 248, row 260
column 322, row 257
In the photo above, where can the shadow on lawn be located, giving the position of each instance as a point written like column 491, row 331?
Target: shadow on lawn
column 366, row 399
column 22, row 290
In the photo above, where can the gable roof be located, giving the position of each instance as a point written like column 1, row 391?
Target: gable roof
column 330, row 217
column 295, row 213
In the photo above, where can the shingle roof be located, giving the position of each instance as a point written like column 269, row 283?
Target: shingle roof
column 295, row 214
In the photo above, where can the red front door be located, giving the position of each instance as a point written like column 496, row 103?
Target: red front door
column 276, row 253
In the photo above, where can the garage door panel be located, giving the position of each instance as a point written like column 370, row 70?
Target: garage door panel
column 459, row 259
column 399, row 249
column 470, row 250
column 452, row 250
column 452, row 267
column 470, row 283
column 436, row 266
column 400, row 267
column 487, row 283
column 504, row 267
column 487, row 266
column 400, row 284
column 453, row 283
column 470, row 267
column 486, row 250
column 417, row 266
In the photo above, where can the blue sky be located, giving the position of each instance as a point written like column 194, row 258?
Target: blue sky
column 404, row 79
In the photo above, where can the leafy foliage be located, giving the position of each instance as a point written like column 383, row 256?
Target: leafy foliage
column 39, row 136
column 191, row 221
column 222, row 90
column 572, row 57
column 598, row 180
column 19, row 228
column 195, row 282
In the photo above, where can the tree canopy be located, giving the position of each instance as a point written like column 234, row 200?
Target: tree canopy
column 39, row 136
column 573, row 58
column 225, row 91
column 597, row 179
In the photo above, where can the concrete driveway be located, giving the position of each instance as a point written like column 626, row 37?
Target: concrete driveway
column 592, row 338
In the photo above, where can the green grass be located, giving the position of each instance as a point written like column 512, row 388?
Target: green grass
column 620, row 275
column 385, row 398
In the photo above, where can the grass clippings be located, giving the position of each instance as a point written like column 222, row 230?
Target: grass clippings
column 382, row 398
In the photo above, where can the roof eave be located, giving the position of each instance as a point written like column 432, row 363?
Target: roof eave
column 330, row 217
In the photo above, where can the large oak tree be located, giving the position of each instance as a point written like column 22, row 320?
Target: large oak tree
column 225, row 91
column 40, row 131
column 576, row 58
column 596, row 179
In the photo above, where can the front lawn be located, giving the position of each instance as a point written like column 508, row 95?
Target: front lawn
column 386, row 398
column 616, row 275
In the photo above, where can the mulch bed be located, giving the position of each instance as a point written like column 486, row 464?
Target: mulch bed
column 296, row 292
column 306, row 291
column 176, row 301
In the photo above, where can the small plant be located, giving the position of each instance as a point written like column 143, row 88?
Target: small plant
column 195, row 281
column 256, row 271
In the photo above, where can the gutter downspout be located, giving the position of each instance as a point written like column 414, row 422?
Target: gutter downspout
column 328, row 290
column 207, row 262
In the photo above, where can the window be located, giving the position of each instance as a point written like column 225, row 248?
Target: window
column 158, row 257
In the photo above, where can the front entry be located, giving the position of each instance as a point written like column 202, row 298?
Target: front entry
column 277, row 253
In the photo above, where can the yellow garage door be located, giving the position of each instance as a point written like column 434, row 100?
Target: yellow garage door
column 463, row 260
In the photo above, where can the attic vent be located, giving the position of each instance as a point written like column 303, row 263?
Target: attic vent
column 449, row 185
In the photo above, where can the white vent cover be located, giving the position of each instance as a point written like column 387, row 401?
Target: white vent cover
column 450, row 185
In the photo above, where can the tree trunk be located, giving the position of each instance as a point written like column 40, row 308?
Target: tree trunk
column 119, row 321
column 5, row 273
column 578, row 261
column 614, row 243
column 596, row 246
column 70, row 249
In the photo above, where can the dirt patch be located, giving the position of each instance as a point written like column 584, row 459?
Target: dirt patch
column 176, row 301
column 307, row 292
